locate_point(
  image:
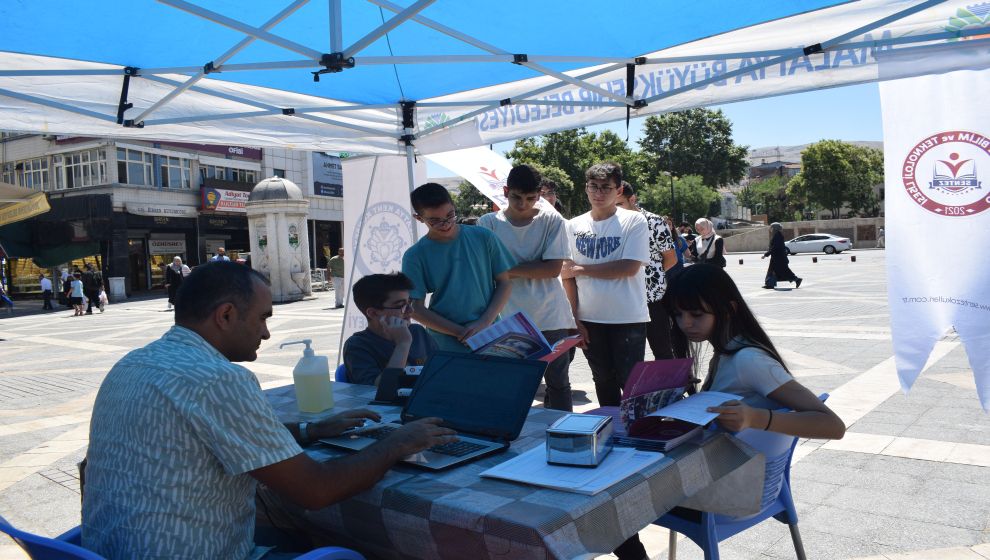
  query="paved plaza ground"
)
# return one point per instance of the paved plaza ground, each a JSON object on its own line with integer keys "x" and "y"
{"x": 910, "y": 480}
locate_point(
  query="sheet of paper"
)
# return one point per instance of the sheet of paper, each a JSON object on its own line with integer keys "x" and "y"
{"x": 531, "y": 468}
{"x": 694, "y": 409}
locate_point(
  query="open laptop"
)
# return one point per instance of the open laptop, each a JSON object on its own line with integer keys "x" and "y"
{"x": 485, "y": 399}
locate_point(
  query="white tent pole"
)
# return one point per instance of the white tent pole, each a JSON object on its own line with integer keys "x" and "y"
{"x": 410, "y": 168}
{"x": 289, "y": 10}
{"x": 57, "y": 105}
{"x": 243, "y": 28}
{"x": 821, "y": 46}
{"x": 384, "y": 28}
{"x": 336, "y": 27}
{"x": 357, "y": 243}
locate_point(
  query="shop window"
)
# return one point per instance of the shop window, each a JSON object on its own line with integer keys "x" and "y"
{"x": 135, "y": 168}
{"x": 175, "y": 172}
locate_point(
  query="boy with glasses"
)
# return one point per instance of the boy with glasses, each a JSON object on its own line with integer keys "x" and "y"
{"x": 465, "y": 268}
{"x": 391, "y": 340}
{"x": 606, "y": 284}
{"x": 537, "y": 238}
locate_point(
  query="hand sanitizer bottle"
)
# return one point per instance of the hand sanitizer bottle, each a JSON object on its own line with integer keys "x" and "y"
{"x": 311, "y": 377}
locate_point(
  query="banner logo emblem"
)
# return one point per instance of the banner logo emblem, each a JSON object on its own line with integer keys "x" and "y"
{"x": 943, "y": 172}
{"x": 385, "y": 232}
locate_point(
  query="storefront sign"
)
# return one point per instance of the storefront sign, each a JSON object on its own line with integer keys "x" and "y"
{"x": 224, "y": 200}
{"x": 161, "y": 210}
{"x": 328, "y": 176}
{"x": 239, "y": 151}
{"x": 23, "y": 209}
{"x": 167, "y": 246}
{"x": 218, "y": 222}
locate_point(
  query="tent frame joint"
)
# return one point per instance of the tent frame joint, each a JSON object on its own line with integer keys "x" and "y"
{"x": 129, "y": 123}
{"x": 639, "y": 104}
{"x": 408, "y": 121}
{"x": 640, "y": 60}
{"x": 123, "y": 105}
{"x": 813, "y": 49}
{"x": 520, "y": 58}
{"x": 504, "y": 102}
{"x": 288, "y": 111}
{"x": 209, "y": 68}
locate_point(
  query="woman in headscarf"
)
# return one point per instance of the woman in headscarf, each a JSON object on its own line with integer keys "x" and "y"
{"x": 709, "y": 247}
{"x": 779, "y": 269}
{"x": 174, "y": 273}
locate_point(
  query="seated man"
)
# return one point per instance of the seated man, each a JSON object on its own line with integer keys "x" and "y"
{"x": 180, "y": 436}
{"x": 390, "y": 341}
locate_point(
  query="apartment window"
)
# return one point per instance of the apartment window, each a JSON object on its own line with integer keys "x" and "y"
{"x": 175, "y": 172}
{"x": 9, "y": 174}
{"x": 134, "y": 167}
{"x": 80, "y": 169}
{"x": 33, "y": 173}
{"x": 279, "y": 173}
{"x": 245, "y": 176}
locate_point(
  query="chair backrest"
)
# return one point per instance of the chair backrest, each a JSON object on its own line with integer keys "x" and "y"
{"x": 778, "y": 449}
{"x": 341, "y": 374}
{"x": 44, "y": 548}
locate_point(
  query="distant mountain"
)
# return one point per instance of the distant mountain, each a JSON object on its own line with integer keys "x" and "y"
{"x": 792, "y": 154}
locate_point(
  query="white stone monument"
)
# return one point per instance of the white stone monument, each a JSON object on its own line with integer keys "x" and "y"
{"x": 277, "y": 212}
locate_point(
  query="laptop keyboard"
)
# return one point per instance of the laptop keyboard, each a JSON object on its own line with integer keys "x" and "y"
{"x": 454, "y": 449}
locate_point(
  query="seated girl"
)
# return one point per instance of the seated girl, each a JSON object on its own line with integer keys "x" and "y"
{"x": 707, "y": 307}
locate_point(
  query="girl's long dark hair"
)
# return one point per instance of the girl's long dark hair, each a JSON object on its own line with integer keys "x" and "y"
{"x": 708, "y": 288}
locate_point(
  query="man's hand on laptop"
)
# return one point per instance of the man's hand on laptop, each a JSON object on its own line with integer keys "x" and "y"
{"x": 419, "y": 435}
{"x": 338, "y": 423}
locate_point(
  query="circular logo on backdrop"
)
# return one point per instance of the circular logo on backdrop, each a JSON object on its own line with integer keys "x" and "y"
{"x": 381, "y": 237}
{"x": 942, "y": 173}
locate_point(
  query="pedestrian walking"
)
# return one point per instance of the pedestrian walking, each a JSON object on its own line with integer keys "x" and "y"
{"x": 881, "y": 239}
{"x": 336, "y": 267}
{"x": 46, "y": 291}
{"x": 779, "y": 269}
{"x": 76, "y": 294}
{"x": 174, "y": 274}
{"x": 220, "y": 256}
{"x": 92, "y": 283}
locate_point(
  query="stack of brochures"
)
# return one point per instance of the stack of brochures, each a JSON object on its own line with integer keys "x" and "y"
{"x": 531, "y": 468}
{"x": 518, "y": 337}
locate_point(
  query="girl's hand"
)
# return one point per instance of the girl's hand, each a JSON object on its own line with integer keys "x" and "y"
{"x": 736, "y": 416}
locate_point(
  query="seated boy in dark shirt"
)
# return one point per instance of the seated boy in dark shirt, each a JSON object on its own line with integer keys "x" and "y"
{"x": 390, "y": 341}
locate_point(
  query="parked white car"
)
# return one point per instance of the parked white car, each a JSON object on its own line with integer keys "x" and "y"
{"x": 814, "y": 242}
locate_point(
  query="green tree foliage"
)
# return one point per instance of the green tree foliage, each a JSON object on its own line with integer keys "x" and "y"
{"x": 693, "y": 142}
{"x": 570, "y": 153}
{"x": 775, "y": 197}
{"x": 470, "y": 202}
{"x": 836, "y": 174}
{"x": 694, "y": 200}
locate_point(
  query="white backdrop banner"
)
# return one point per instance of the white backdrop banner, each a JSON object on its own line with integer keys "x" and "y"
{"x": 378, "y": 224}
{"x": 937, "y": 169}
{"x": 483, "y": 168}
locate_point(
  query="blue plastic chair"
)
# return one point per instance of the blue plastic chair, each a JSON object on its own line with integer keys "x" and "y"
{"x": 708, "y": 529}
{"x": 67, "y": 546}
{"x": 341, "y": 374}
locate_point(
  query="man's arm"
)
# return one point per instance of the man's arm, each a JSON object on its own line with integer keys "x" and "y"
{"x": 503, "y": 287}
{"x": 669, "y": 259}
{"x": 621, "y": 268}
{"x": 433, "y": 320}
{"x": 315, "y": 485}
{"x": 537, "y": 270}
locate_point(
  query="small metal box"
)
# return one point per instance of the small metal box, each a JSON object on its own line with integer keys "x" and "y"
{"x": 579, "y": 440}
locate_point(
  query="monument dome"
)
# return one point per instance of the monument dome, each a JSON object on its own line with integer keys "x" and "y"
{"x": 275, "y": 188}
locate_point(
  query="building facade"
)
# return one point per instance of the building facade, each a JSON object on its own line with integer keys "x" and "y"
{"x": 130, "y": 206}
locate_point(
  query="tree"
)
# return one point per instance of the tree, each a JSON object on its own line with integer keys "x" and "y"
{"x": 572, "y": 152}
{"x": 836, "y": 174}
{"x": 694, "y": 199}
{"x": 470, "y": 202}
{"x": 774, "y": 197}
{"x": 693, "y": 142}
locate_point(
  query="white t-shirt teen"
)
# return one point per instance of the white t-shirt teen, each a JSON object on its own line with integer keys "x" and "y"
{"x": 545, "y": 238}
{"x": 624, "y": 236}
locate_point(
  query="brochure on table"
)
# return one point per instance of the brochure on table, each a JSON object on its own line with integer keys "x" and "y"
{"x": 518, "y": 337}
{"x": 531, "y": 468}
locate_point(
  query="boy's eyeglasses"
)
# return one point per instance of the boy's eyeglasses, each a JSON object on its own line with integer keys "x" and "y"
{"x": 594, "y": 188}
{"x": 398, "y": 307}
{"x": 434, "y": 222}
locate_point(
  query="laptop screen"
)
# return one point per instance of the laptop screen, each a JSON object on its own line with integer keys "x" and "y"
{"x": 479, "y": 395}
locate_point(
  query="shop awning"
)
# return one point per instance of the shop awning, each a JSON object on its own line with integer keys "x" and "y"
{"x": 18, "y": 203}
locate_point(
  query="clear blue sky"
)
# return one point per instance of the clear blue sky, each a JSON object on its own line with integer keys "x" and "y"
{"x": 846, "y": 113}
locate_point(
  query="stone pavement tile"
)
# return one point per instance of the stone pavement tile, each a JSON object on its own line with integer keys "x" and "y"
{"x": 904, "y": 534}
{"x": 947, "y": 432}
{"x": 962, "y": 472}
{"x": 811, "y": 492}
{"x": 824, "y": 546}
{"x": 975, "y": 490}
{"x": 954, "y": 553}
{"x": 899, "y": 465}
{"x": 878, "y": 428}
{"x": 924, "y": 449}
{"x": 810, "y": 470}
{"x": 904, "y": 417}
{"x": 859, "y": 443}
{"x": 982, "y": 550}
{"x": 907, "y": 505}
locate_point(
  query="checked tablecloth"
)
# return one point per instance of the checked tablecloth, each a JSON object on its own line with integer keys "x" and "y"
{"x": 457, "y": 514}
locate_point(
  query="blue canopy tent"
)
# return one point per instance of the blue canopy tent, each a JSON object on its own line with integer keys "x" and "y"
{"x": 375, "y": 77}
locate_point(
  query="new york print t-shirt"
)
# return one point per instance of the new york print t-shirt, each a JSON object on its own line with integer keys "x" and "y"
{"x": 624, "y": 236}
